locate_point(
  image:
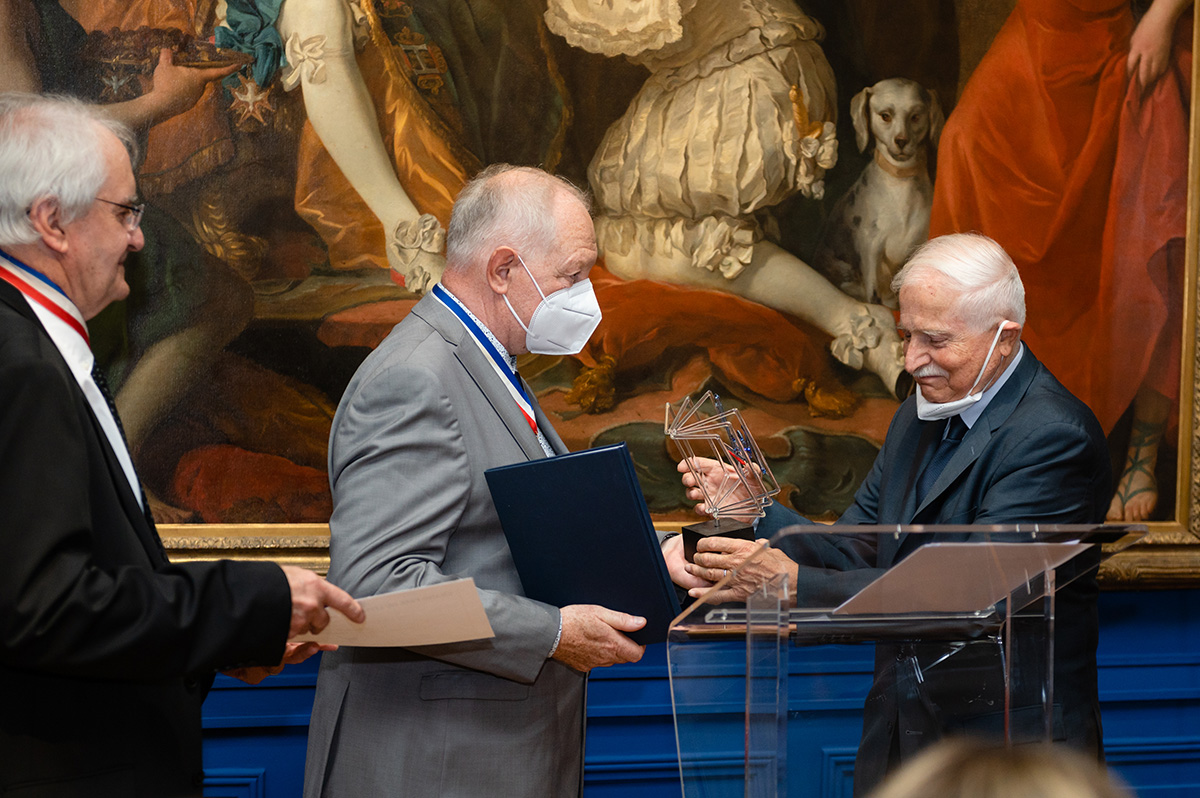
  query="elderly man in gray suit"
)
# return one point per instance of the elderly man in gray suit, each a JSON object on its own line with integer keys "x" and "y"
{"x": 434, "y": 406}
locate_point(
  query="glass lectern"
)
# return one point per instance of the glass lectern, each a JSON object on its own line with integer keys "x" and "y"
{"x": 963, "y": 624}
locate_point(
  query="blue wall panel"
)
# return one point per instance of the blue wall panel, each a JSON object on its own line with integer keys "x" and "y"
{"x": 1149, "y": 687}
{"x": 1150, "y": 690}
{"x": 255, "y": 737}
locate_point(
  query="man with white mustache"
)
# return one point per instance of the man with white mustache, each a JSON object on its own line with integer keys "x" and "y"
{"x": 991, "y": 437}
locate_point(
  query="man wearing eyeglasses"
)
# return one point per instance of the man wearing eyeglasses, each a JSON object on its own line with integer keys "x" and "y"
{"x": 106, "y": 648}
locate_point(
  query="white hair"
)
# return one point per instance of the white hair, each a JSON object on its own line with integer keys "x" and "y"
{"x": 990, "y": 287}
{"x": 51, "y": 147}
{"x": 493, "y": 209}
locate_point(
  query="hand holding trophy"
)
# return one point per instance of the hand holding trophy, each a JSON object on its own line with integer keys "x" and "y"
{"x": 729, "y": 469}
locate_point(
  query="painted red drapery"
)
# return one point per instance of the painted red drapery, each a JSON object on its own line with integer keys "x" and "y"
{"x": 1054, "y": 152}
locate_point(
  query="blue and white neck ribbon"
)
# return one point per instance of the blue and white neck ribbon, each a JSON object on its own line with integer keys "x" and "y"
{"x": 506, "y": 373}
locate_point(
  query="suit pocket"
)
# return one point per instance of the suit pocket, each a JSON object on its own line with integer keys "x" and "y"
{"x": 469, "y": 684}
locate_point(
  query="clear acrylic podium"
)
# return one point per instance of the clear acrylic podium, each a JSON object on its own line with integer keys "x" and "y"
{"x": 963, "y": 622}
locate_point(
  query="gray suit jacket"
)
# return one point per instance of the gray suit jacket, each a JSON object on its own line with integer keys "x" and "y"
{"x": 422, "y": 419}
{"x": 1036, "y": 455}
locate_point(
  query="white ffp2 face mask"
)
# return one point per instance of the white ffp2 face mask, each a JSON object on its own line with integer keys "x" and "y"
{"x": 936, "y": 411}
{"x": 563, "y": 322}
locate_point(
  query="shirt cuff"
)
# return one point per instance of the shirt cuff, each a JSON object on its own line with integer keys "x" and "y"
{"x": 557, "y": 639}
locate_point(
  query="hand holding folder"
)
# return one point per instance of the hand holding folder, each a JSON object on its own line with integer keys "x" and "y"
{"x": 589, "y": 640}
{"x": 580, "y": 533}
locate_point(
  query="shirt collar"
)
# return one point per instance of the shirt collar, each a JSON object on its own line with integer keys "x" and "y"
{"x": 73, "y": 347}
{"x": 492, "y": 339}
{"x": 972, "y": 413}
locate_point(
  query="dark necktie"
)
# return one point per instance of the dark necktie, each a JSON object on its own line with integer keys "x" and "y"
{"x": 955, "y": 429}
{"x": 102, "y": 384}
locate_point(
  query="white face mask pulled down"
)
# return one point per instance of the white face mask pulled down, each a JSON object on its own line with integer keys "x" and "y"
{"x": 936, "y": 411}
{"x": 563, "y": 322}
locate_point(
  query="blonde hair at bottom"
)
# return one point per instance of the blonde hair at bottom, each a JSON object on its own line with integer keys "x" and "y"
{"x": 971, "y": 768}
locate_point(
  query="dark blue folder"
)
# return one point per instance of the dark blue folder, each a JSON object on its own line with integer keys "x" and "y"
{"x": 579, "y": 533}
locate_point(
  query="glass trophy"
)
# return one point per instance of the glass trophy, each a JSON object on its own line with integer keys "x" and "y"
{"x": 704, "y": 428}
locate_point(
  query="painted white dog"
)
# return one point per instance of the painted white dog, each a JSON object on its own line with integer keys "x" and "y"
{"x": 876, "y": 224}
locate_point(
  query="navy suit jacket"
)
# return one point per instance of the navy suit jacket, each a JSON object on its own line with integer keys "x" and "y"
{"x": 106, "y": 649}
{"x": 1036, "y": 454}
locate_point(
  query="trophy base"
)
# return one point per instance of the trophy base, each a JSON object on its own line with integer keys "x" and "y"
{"x": 714, "y": 527}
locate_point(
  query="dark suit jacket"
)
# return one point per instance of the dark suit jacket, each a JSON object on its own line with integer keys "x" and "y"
{"x": 1036, "y": 454}
{"x": 107, "y": 649}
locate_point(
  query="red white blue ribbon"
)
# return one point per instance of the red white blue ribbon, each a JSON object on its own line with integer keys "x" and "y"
{"x": 499, "y": 363}
{"x": 21, "y": 278}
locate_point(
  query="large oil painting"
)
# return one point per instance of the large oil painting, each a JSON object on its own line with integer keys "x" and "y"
{"x": 760, "y": 169}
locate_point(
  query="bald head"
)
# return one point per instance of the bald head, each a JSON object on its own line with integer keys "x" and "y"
{"x": 516, "y": 235}
{"x": 516, "y": 206}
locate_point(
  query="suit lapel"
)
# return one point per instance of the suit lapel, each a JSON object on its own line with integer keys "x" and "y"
{"x": 477, "y": 365}
{"x": 922, "y": 438}
{"x": 967, "y": 452}
{"x": 556, "y": 443}
{"x": 140, "y": 521}
{"x": 928, "y": 435}
{"x": 978, "y": 436}
{"x": 12, "y": 297}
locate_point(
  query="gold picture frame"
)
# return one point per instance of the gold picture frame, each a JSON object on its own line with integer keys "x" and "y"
{"x": 1168, "y": 557}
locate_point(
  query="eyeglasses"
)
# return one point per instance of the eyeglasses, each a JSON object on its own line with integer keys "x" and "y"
{"x": 134, "y": 216}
